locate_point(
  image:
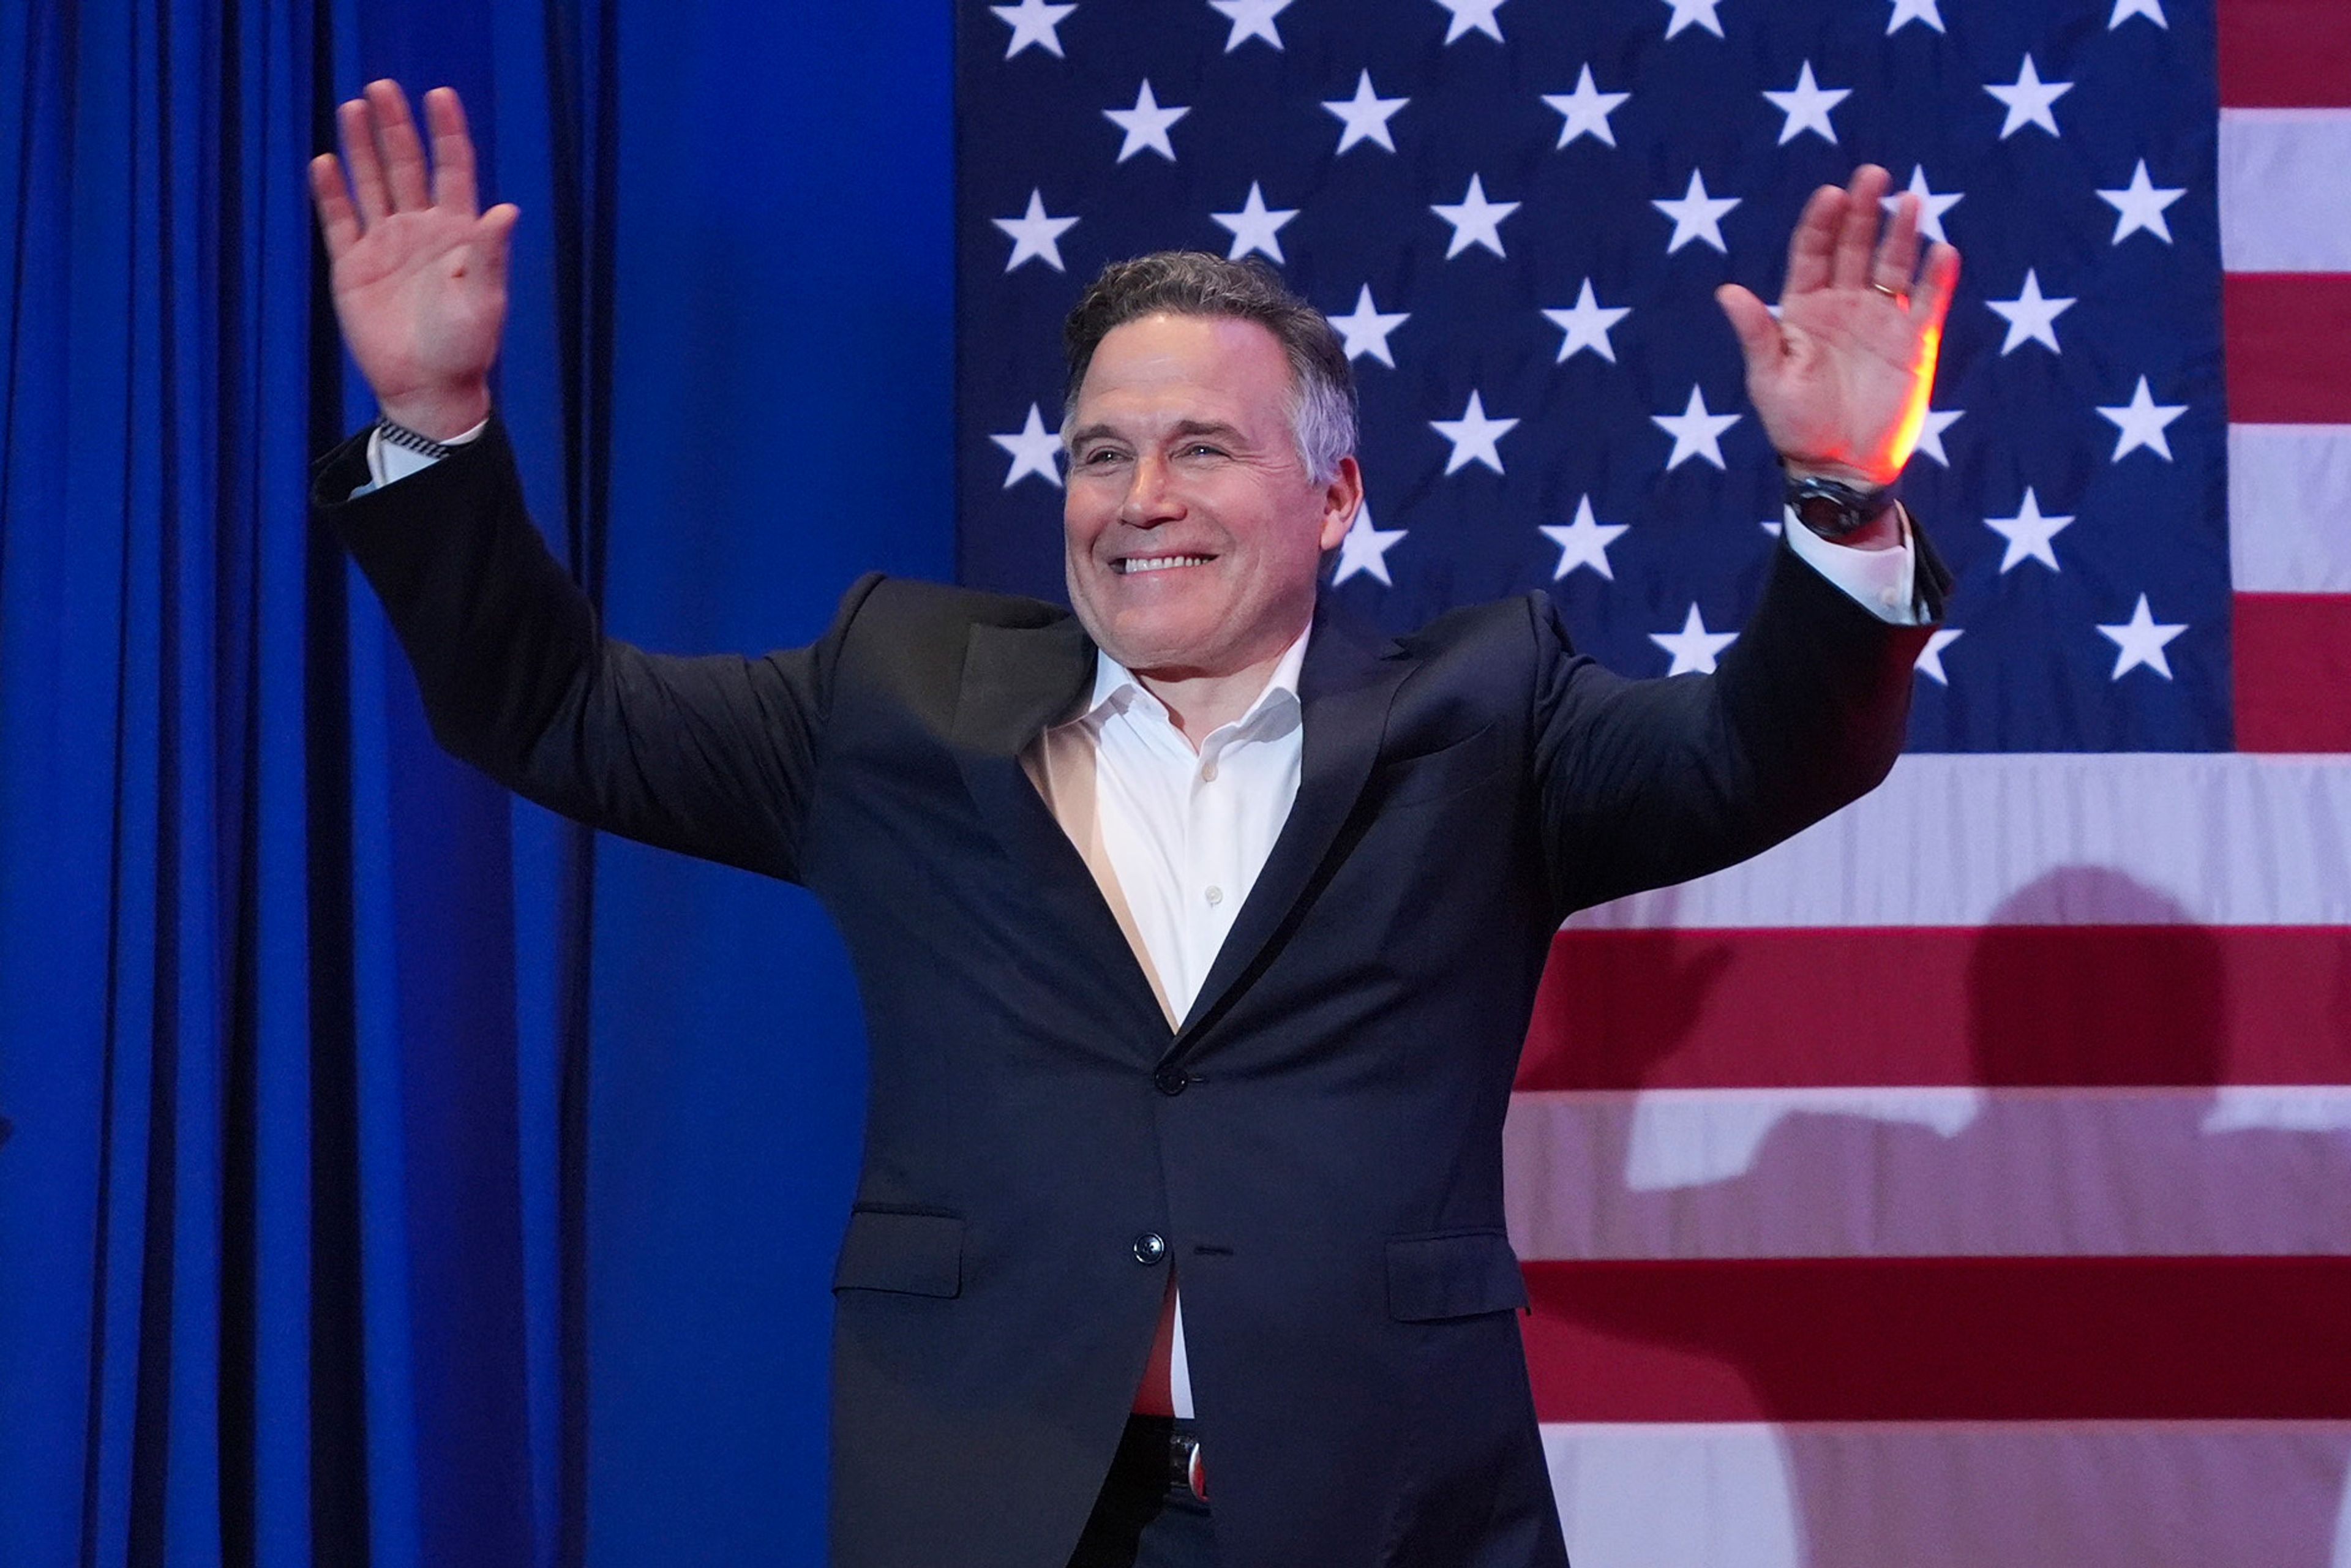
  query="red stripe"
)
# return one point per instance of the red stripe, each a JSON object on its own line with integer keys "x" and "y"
{"x": 2292, "y": 656}
{"x": 2282, "y": 54}
{"x": 2001, "y": 1006}
{"x": 1941, "y": 1339}
{"x": 2286, "y": 332}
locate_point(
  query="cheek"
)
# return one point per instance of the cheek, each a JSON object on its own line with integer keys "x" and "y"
{"x": 1294, "y": 537}
{"x": 1082, "y": 525}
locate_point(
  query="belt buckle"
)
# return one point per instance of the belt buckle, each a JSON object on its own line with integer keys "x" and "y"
{"x": 1184, "y": 1460}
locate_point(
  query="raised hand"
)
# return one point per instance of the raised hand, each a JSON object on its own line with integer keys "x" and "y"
{"x": 1840, "y": 379}
{"x": 419, "y": 273}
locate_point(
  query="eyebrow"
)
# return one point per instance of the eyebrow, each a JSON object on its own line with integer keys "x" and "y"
{"x": 1188, "y": 427}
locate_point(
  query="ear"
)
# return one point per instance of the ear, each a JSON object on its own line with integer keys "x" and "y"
{"x": 1341, "y": 497}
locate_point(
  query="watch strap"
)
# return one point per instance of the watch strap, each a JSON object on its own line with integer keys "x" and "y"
{"x": 415, "y": 441}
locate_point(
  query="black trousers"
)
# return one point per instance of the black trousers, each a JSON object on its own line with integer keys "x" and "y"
{"x": 1145, "y": 1516}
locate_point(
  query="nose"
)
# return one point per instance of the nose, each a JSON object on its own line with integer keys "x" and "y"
{"x": 1151, "y": 498}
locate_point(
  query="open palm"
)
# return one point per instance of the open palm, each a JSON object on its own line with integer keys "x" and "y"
{"x": 419, "y": 273}
{"x": 1840, "y": 379}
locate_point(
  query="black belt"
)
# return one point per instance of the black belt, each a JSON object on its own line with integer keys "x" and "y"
{"x": 1161, "y": 1451}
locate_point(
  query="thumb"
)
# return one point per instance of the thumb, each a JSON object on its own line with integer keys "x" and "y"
{"x": 495, "y": 236}
{"x": 1759, "y": 334}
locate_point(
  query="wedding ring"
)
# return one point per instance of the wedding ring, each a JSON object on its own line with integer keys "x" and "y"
{"x": 1893, "y": 294}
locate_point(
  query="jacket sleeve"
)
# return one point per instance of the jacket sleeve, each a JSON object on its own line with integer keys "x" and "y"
{"x": 715, "y": 756}
{"x": 1644, "y": 783}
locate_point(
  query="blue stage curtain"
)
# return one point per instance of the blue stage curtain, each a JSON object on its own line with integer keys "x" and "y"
{"x": 783, "y": 420}
{"x": 399, "y": 1176}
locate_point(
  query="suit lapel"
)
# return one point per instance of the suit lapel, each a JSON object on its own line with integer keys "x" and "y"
{"x": 1017, "y": 681}
{"x": 1343, "y": 691}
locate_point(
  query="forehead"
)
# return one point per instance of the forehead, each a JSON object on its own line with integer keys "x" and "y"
{"x": 1187, "y": 366}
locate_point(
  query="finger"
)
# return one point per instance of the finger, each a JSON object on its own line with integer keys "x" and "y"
{"x": 453, "y": 153}
{"x": 355, "y": 120}
{"x": 1759, "y": 334}
{"x": 1897, "y": 252}
{"x": 337, "y": 223}
{"x": 1815, "y": 239}
{"x": 1857, "y": 234}
{"x": 1937, "y": 279}
{"x": 403, "y": 151}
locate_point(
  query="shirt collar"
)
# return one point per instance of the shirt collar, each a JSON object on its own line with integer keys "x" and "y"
{"x": 1115, "y": 685}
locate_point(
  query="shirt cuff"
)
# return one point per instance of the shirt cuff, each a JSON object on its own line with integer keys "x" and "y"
{"x": 388, "y": 461}
{"x": 1880, "y": 581}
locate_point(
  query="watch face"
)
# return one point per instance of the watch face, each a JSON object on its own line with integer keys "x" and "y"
{"x": 1833, "y": 510}
{"x": 1825, "y": 515}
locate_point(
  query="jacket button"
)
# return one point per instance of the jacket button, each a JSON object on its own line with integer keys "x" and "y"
{"x": 1150, "y": 1247}
{"x": 1171, "y": 1080}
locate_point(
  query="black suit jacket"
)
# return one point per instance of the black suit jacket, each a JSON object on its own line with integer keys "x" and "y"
{"x": 1316, "y": 1149}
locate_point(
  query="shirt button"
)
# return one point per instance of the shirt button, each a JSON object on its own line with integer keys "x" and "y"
{"x": 1150, "y": 1247}
{"x": 1215, "y": 896}
{"x": 1171, "y": 1080}
{"x": 1208, "y": 773}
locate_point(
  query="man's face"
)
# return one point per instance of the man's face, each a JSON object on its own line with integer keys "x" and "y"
{"x": 1191, "y": 533}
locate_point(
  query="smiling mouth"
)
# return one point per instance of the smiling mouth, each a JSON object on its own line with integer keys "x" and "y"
{"x": 1133, "y": 564}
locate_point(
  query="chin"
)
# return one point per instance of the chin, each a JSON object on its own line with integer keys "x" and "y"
{"x": 1158, "y": 640}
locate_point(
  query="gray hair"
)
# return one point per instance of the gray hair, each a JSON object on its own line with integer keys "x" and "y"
{"x": 1198, "y": 283}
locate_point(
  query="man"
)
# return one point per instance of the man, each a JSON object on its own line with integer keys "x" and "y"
{"x": 1197, "y": 931}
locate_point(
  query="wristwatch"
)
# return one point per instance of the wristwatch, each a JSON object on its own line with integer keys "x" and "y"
{"x": 1832, "y": 510}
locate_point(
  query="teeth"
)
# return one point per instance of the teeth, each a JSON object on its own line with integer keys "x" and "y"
{"x": 1160, "y": 562}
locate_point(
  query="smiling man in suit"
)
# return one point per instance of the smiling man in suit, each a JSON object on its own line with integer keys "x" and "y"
{"x": 1197, "y": 931}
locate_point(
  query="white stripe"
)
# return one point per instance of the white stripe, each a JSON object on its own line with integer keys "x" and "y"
{"x": 1929, "y": 1173}
{"x": 2285, "y": 190}
{"x": 2112, "y": 838}
{"x": 1644, "y": 1495}
{"x": 2116, "y": 1494}
{"x": 2290, "y": 508}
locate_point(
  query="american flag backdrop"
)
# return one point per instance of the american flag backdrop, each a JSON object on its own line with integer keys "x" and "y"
{"x": 1968, "y": 1180}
